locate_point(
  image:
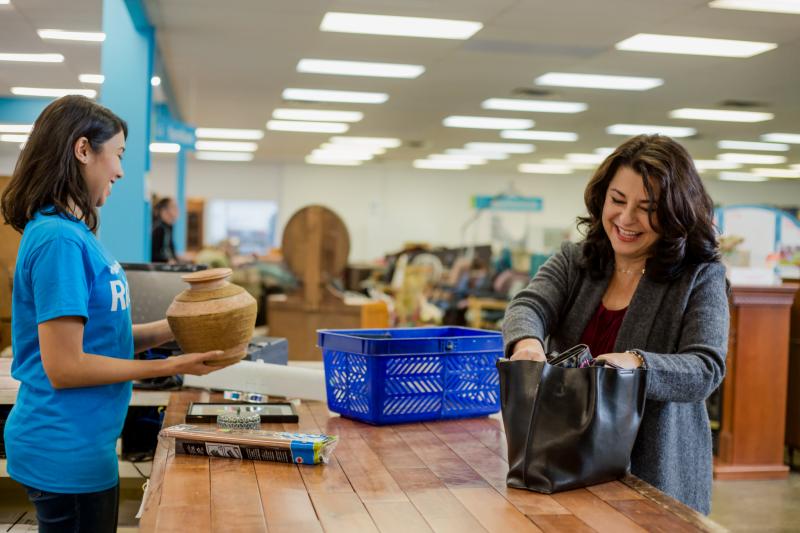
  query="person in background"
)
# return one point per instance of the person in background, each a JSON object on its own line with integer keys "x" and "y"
{"x": 72, "y": 337}
{"x": 165, "y": 213}
{"x": 645, "y": 289}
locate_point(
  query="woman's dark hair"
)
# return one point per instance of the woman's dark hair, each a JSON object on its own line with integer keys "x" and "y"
{"x": 47, "y": 172}
{"x": 161, "y": 205}
{"x": 680, "y": 209}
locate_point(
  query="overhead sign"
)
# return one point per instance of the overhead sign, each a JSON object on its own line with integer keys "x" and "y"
{"x": 169, "y": 130}
{"x": 504, "y": 202}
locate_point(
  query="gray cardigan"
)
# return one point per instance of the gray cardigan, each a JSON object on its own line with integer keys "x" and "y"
{"x": 680, "y": 327}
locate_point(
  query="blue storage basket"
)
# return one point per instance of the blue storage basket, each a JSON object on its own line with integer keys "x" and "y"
{"x": 385, "y": 376}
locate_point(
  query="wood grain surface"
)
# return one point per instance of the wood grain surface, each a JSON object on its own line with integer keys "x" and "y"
{"x": 444, "y": 476}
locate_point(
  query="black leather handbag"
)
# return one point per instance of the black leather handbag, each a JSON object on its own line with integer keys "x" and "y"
{"x": 568, "y": 427}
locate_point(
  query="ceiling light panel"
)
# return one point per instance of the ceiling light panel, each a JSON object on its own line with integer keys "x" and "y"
{"x": 224, "y": 156}
{"x": 229, "y": 133}
{"x": 439, "y": 164}
{"x": 791, "y": 7}
{"x": 753, "y": 159}
{"x": 16, "y": 128}
{"x": 700, "y": 46}
{"x": 63, "y": 35}
{"x": 650, "y": 129}
{"x": 494, "y": 156}
{"x": 749, "y": 145}
{"x": 598, "y": 81}
{"x": 13, "y": 138}
{"x": 537, "y": 135}
{"x": 586, "y": 159}
{"x": 534, "y": 106}
{"x": 740, "y": 176}
{"x": 465, "y": 159}
{"x": 226, "y": 146}
{"x": 307, "y": 127}
{"x": 383, "y": 142}
{"x": 791, "y": 138}
{"x": 359, "y": 68}
{"x": 317, "y": 115}
{"x": 489, "y": 123}
{"x": 96, "y": 79}
{"x": 312, "y": 160}
{"x": 165, "y": 148}
{"x": 508, "y": 148}
{"x": 776, "y": 172}
{"x": 353, "y": 149}
{"x": 320, "y": 95}
{"x": 52, "y": 93}
{"x": 540, "y": 168}
{"x": 720, "y": 115}
{"x": 399, "y": 26}
{"x": 715, "y": 164}
{"x": 32, "y": 58}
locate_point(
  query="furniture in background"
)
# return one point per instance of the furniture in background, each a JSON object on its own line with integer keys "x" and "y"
{"x": 752, "y": 431}
{"x": 793, "y": 393}
{"x": 9, "y": 243}
{"x": 194, "y": 224}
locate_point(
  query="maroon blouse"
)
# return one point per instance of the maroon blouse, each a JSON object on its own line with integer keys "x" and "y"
{"x": 601, "y": 331}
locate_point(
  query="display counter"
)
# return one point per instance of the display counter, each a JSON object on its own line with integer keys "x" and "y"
{"x": 440, "y": 476}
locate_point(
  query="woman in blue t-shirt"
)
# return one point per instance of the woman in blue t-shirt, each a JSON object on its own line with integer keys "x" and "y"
{"x": 72, "y": 337}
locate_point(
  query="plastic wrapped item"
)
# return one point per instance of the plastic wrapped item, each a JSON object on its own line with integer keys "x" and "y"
{"x": 257, "y": 445}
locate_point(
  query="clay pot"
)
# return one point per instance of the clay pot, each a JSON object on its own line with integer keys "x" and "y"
{"x": 213, "y": 314}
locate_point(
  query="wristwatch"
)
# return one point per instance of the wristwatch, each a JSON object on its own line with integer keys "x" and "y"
{"x": 638, "y": 355}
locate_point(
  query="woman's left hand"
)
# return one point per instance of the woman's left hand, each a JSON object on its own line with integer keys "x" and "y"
{"x": 622, "y": 360}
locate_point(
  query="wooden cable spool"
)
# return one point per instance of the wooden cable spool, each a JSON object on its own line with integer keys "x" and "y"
{"x": 315, "y": 247}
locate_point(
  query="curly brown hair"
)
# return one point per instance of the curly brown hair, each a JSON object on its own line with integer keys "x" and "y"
{"x": 680, "y": 209}
{"x": 47, "y": 174}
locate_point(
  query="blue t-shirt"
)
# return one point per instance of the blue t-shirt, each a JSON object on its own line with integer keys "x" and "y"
{"x": 65, "y": 440}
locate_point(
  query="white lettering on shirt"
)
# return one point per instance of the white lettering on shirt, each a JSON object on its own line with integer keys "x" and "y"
{"x": 119, "y": 295}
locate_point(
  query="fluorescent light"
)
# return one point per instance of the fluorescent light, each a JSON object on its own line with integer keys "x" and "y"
{"x": 753, "y": 159}
{"x": 155, "y": 81}
{"x": 332, "y": 154}
{"x": 439, "y": 164}
{"x": 586, "y": 159}
{"x": 317, "y": 115}
{"x": 16, "y": 128}
{"x": 597, "y": 81}
{"x": 715, "y": 164}
{"x": 54, "y": 93}
{"x": 224, "y": 156}
{"x": 720, "y": 115}
{"x": 353, "y": 149}
{"x": 791, "y": 7}
{"x": 360, "y": 68}
{"x": 62, "y": 35}
{"x": 776, "y": 172}
{"x": 509, "y": 148}
{"x": 13, "y": 138}
{"x": 4, "y": 2}
{"x": 489, "y": 123}
{"x": 699, "y": 46}
{"x": 748, "y": 145}
{"x": 383, "y": 142}
{"x": 740, "y": 176}
{"x": 400, "y": 26}
{"x": 791, "y": 138}
{"x": 539, "y": 168}
{"x": 648, "y": 129}
{"x": 165, "y": 148}
{"x": 605, "y": 150}
{"x": 91, "y": 78}
{"x": 538, "y": 135}
{"x": 319, "y": 95}
{"x": 228, "y": 133}
{"x": 311, "y": 160}
{"x": 307, "y": 127}
{"x": 571, "y": 164}
{"x": 465, "y": 159}
{"x": 796, "y": 167}
{"x": 226, "y": 146}
{"x": 495, "y": 156}
{"x": 540, "y": 106}
{"x": 33, "y": 58}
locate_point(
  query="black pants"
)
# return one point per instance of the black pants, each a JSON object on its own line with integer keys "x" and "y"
{"x": 93, "y": 512}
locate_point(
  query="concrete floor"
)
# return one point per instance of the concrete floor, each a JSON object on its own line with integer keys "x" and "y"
{"x": 762, "y": 506}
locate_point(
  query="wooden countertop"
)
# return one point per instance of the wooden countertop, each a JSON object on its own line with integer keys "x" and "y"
{"x": 440, "y": 476}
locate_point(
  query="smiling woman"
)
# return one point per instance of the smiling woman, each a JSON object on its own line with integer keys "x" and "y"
{"x": 644, "y": 290}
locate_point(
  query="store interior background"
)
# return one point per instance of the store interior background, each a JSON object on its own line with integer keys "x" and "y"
{"x": 226, "y": 65}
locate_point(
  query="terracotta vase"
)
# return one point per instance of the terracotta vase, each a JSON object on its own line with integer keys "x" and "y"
{"x": 213, "y": 314}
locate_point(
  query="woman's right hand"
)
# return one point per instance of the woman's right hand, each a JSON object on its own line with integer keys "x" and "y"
{"x": 193, "y": 363}
{"x": 530, "y": 349}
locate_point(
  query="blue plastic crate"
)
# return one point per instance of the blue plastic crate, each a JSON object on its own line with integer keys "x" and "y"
{"x": 385, "y": 376}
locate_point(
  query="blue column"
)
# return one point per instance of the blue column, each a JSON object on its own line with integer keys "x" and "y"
{"x": 180, "y": 198}
{"x": 127, "y": 64}
{"x": 20, "y": 109}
